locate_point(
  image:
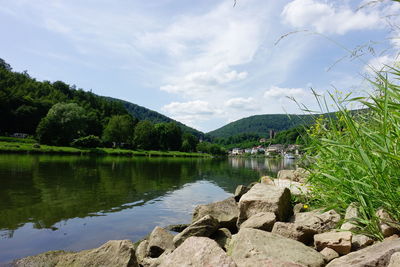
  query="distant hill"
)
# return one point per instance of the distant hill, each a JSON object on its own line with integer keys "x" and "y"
{"x": 142, "y": 113}
{"x": 260, "y": 125}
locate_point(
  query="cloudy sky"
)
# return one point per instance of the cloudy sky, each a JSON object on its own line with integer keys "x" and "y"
{"x": 204, "y": 63}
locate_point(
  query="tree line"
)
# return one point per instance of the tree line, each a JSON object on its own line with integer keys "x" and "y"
{"x": 60, "y": 114}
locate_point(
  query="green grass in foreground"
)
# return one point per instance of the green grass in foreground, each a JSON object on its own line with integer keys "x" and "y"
{"x": 356, "y": 157}
{"x": 24, "y": 147}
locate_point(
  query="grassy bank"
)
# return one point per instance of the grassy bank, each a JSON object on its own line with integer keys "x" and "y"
{"x": 356, "y": 156}
{"x": 13, "y": 145}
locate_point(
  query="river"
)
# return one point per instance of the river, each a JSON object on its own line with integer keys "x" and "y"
{"x": 72, "y": 203}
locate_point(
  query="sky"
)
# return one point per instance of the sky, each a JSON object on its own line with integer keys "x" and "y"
{"x": 204, "y": 63}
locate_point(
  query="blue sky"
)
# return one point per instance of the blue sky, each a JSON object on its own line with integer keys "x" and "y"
{"x": 204, "y": 63}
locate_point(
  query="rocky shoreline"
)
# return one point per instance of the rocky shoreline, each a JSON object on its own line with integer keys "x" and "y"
{"x": 258, "y": 226}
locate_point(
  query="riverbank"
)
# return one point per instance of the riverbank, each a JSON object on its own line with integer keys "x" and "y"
{"x": 261, "y": 225}
{"x": 29, "y": 147}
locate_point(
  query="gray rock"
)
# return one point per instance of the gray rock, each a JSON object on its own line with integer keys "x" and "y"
{"x": 258, "y": 244}
{"x": 159, "y": 241}
{"x": 394, "y": 260}
{"x": 112, "y": 253}
{"x": 268, "y": 262}
{"x": 222, "y": 236}
{"x": 360, "y": 241}
{"x": 329, "y": 254}
{"x": 387, "y": 225}
{"x": 240, "y": 191}
{"x": 350, "y": 218}
{"x": 287, "y": 174}
{"x": 298, "y": 175}
{"x": 176, "y": 227}
{"x": 263, "y": 221}
{"x": 299, "y": 207}
{"x": 289, "y": 230}
{"x": 376, "y": 255}
{"x": 205, "y": 226}
{"x": 198, "y": 251}
{"x": 338, "y": 241}
{"x": 265, "y": 198}
{"x": 141, "y": 251}
{"x": 315, "y": 222}
{"x": 226, "y": 212}
{"x": 295, "y": 188}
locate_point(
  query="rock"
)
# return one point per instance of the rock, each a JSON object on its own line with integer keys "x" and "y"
{"x": 226, "y": 212}
{"x": 159, "y": 241}
{"x": 299, "y": 207}
{"x": 350, "y": 217}
{"x": 392, "y": 237}
{"x": 205, "y": 226}
{"x": 329, "y": 254}
{"x": 112, "y": 253}
{"x": 298, "y": 175}
{"x": 295, "y": 188}
{"x": 289, "y": 230}
{"x": 222, "y": 236}
{"x": 268, "y": 262}
{"x": 305, "y": 225}
{"x": 141, "y": 251}
{"x": 240, "y": 191}
{"x": 263, "y": 221}
{"x": 198, "y": 251}
{"x": 360, "y": 241}
{"x": 376, "y": 255}
{"x": 315, "y": 222}
{"x": 176, "y": 227}
{"x": 387, "y": 225}
{"x": 257, "y": 244}
{"x": 394, "y": 260}
{"x": 338, "y": 241}
{"x": 265, "y": 198}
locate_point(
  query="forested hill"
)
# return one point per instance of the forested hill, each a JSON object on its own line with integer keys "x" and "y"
{"x": 24, "y": 101}
{"x": 142, "y": 113}
{"x": 260, "y": 125}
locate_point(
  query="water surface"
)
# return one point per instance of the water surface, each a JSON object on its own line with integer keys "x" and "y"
{"x": 80, "y": 202}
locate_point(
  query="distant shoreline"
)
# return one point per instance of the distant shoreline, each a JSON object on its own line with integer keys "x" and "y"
{"x": 29, "y": 148}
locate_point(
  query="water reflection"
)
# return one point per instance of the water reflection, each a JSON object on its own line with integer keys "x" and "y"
{"x": 74, "y": 203}
{"x": 265, "y": 166}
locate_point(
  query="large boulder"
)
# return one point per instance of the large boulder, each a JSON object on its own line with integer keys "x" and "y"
{"x": 205, "y": 226}
{"x": 225, "y": 211}
{"x": 298, "y": 175}
{"x": 240, "y": 191}
{"x": 112, "y": 253}
{"x": 258, "y": 244}
{"x": 263, "y": 221}
{"x": 198, "y": 251}
{"x": 265, "y": 198}
{"x": 338, "y": 241}
{"x": 295, "y": 188}
{"x": 222, "y": 236}
{"x": 141, "y": 251}
{"x": 160, "y": 240}
{"x": 304, "y": 225}
{"x": 315, "y": 222}
{"x": 394, "y": 260}
{"x": 375, "y": 255}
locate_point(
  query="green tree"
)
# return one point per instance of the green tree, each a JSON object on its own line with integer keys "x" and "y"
{"x": 189, "y": 142}
{"x": 169, "y": 136}
{"x": 63, "y": 123}
{"x": 120, "y": 129}
{"x": 145, "y": 136}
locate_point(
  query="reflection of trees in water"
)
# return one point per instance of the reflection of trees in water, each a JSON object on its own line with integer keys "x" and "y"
{"x": 48, "y": 189}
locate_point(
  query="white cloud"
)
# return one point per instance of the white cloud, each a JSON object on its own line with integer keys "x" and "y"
{"x": 242, "y": 103}
{"x": 279, "y": 92}
{"x": 196, "y": 83}
{"x": 325, "y": 17}
{"x": 381, "y": 63}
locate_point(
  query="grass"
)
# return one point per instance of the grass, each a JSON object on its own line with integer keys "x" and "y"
{"x": 27, "y": 147}
{"x": 356, "y": 156}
